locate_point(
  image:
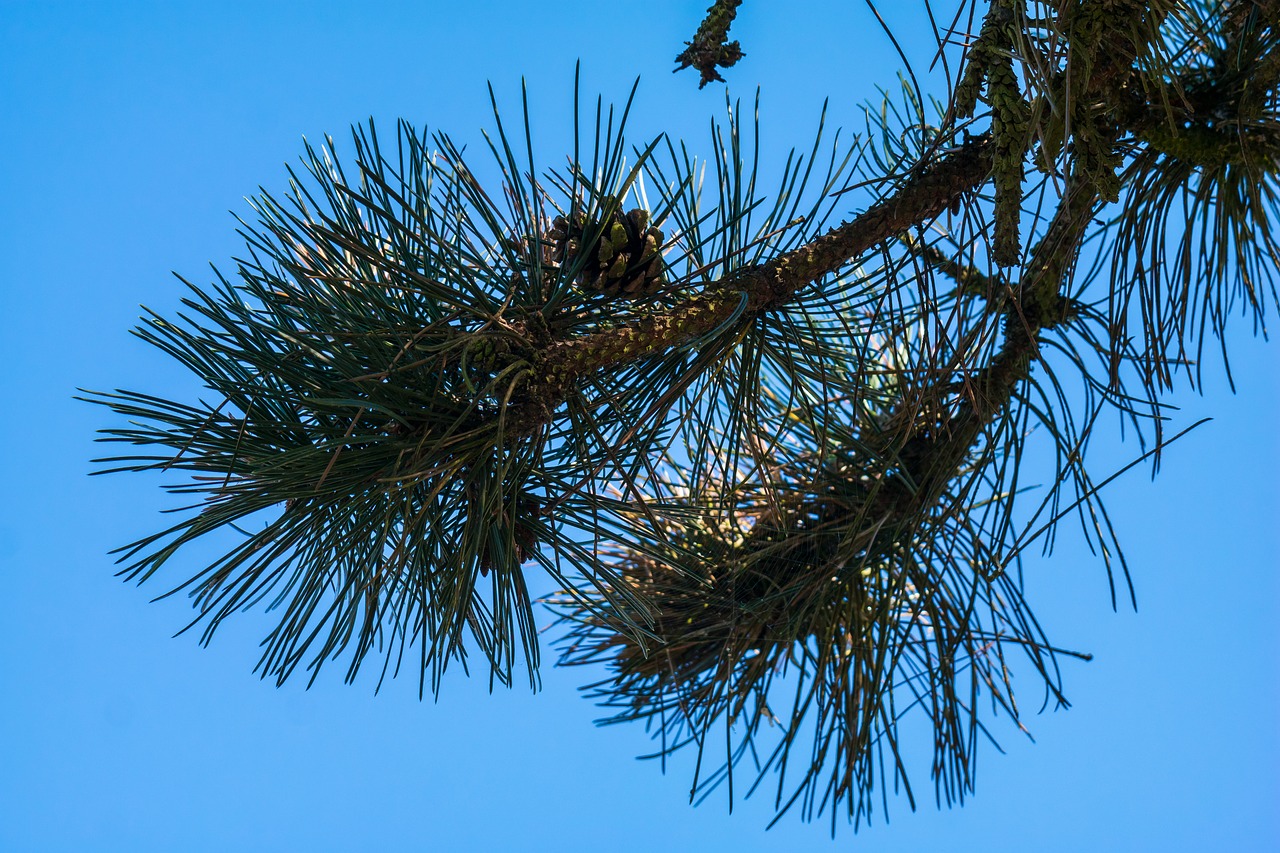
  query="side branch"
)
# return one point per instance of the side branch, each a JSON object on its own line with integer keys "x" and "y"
{"x": 929, "y": 463}
{"x": 1037, "y": 302}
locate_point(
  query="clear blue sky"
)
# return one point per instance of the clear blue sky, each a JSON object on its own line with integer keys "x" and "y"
{"x": 130, "y": 129}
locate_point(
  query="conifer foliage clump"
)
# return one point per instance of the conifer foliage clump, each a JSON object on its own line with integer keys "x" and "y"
{"x": 770, "y": 431}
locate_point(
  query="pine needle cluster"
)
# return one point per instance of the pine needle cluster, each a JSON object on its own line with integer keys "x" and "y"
{"x": 778, "y": 465}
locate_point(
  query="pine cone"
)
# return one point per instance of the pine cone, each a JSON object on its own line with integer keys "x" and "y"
{"x": 520, "y": 514}
{"x": 622, "y": 257}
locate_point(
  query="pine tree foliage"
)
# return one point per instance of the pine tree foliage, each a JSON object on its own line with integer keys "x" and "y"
{"x": 774, "y": 460}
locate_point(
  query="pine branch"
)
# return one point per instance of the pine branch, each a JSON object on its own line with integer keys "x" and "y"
{"x": 785, "y": 468}
{"x": 933, "y": 189}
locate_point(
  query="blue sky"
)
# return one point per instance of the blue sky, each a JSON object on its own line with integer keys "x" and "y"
{"x": 130, "y": 129}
